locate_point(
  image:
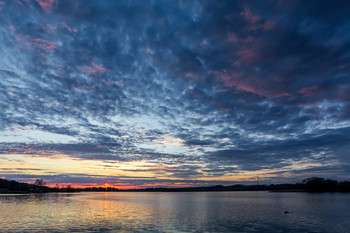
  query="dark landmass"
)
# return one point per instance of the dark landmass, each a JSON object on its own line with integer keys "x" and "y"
{"x": 11, "y": 186}
{"x": 313, "y": 184}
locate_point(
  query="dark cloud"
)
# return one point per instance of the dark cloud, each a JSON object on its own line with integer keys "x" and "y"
{"x": 224, "y": 86}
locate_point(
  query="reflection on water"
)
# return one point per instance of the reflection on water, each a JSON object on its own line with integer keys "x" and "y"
{"x": 176, "y": 212}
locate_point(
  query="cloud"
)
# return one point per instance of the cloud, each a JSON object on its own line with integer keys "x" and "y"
{"x": 46, "y": 5}
{"x": 208, "y": 88}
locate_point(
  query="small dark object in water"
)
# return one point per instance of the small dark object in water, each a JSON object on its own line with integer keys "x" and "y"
{"x": 286, "y": 212}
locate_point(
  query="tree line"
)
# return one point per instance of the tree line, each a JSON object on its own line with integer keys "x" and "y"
{"x": 312, "y": 184}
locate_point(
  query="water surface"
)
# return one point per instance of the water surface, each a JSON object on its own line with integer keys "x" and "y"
{"x": 176, "y": 212}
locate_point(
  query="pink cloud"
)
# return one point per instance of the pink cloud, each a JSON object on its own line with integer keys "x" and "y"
{"x": 249, "y": 16}
{"x": 46, "y": 5}
{"x": 44, "y": 44}
{"x": 256, "y": 22}
{"x": 108, "y": 83}
{"x": 234, "y": 80}
{"x": 309, "y": 91}
{"x": 94, "y": 69}
{"x": 266, "y": 26}
{"x": 312, "y": 105}
{"x": 251, "y": 84}
{"x": 221, "y": 90}
{"x": 247, "y": 56}
{"x": 249, "y": 88}
{"x": 248, "y": 39}
{"x": 2, "y": 4}
{"x": 232, "y": 37}
{"x": 230, "y": 80}
{"x": 117, "y": 84}
{"x": 281, "y": 94}
{"x": 269, "y": 25}
{"x": 69, "y": 28}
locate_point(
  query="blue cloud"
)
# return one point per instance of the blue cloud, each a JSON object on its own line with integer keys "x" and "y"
{"x": 252, "y": 85}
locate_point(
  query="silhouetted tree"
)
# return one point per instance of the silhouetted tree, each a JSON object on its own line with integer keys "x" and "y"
{"x": 344, "y": 186}
{"x": 330, "y": 185}
{"x": 318, "y": 184}
{"x": 39, "y": 182}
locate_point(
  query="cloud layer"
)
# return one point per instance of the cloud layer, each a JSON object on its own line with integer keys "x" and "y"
{"x": 208, "y": 91}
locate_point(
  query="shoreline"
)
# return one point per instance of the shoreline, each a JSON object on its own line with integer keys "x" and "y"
{"x": 171, "y": 191}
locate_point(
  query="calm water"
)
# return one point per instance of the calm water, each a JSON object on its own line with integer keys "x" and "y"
{"x": 175, "y": 212}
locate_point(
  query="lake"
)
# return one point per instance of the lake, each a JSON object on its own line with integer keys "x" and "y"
{"x": 176, "y": 212}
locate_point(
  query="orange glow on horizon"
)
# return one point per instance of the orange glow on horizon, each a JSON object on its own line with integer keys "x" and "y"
{"x": 123, "y": 175}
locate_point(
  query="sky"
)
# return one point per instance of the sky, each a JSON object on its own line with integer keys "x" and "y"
{"x": 174, "y": 93}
